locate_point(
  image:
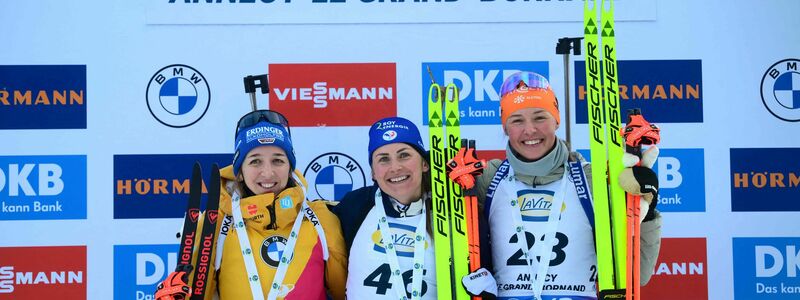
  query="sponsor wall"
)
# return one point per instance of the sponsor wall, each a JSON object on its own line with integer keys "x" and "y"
{"x": 105, "y": 106}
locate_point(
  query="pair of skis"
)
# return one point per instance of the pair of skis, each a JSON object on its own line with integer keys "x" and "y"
{"x": 179, "y": 287}
{"x": 617, "y": 231}
{"x": 455, "y": 222}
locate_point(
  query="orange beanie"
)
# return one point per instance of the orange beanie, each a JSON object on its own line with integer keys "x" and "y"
{"x": 527, "y": 90}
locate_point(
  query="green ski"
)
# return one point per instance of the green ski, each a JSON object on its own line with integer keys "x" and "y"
{"x": 449, "y": 223}
{"x": 606, "y": 149}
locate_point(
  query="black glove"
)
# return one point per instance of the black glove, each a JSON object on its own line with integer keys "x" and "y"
{"x": 641, "y": 180}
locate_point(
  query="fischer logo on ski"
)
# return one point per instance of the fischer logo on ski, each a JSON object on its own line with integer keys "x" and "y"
{"x": 450, "y": 226}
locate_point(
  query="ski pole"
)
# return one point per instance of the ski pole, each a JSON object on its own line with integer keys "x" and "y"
{"x": 563, "y": 47}
{"x": 251, "y": 82}
{"x": 636, "y": 133}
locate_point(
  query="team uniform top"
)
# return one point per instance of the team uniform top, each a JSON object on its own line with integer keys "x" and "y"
{"x": 369, "y": 271}
{"x": 309, "y": 276}
{"x": 572, "y": 259}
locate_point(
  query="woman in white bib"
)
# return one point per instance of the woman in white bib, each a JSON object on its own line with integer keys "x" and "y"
{"x": 532, "y": 201}
{"x": 386, "y": 225}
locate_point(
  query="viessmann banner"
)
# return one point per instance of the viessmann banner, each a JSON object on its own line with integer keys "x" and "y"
{"x": 382, "y": 11}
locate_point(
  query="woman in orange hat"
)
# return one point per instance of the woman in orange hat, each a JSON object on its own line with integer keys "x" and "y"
{"x": 532, "y": 203}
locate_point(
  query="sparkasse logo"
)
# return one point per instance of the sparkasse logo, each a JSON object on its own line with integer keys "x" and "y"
{"x": 42, "y": 272}
{"x": 341, "y": 94}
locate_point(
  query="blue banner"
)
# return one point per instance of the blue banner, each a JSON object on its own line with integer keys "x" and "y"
{"x": 766, "y": 268}
{"x": 765, "y": 179}
{"x": 667, "y": 91}
{"x": 157, "y": 186}
{"x": 479, "y": 86}
{"x": 43, "y": 97}
{"x": 43, "y": 187}
{"x": 138, "y": 269}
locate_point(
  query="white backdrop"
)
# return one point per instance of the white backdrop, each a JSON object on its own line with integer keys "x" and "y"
{"x": 736, "y": 42}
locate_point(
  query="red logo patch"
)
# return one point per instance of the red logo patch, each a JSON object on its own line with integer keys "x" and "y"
{"x": 681, "y": 271}
{"x": 356, "y": 94}
{"x": 212, "y": 216}
{"x": 252, "y": 209}
{"x": 43, "y": 272}
{"x": 194, "y": 214}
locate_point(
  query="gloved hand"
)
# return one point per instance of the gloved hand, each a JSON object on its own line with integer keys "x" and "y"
{"x": 480, "y": 283}
{"x": 465, "y": 165}
{"x": 638, "y": 178}
{"x": 176, "y": 286}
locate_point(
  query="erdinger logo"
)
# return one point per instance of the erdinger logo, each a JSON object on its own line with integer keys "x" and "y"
{"x": 389, "y": 135}
{"x": 534, "y": 205}
{"x": 780, "y": 90}
{"x": 178, "y": 96}
{"x": 402, "y": 236}
{"x": 332, "y": 175}
{"x": 272, "y": 250}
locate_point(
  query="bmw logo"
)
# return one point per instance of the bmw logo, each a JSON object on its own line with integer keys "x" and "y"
{"x": 332, "y": 175}
{"x": 780, "y": 90}
{"x": 178, "y": 96}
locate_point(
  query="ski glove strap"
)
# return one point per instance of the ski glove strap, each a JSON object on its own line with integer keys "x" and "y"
{"x": 480, "y": 283}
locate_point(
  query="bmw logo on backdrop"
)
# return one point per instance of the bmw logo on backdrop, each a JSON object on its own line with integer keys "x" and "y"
{"x": 780, "y": 90}
{"x": 178, "y": 96}
{"x": 332, "y": 175}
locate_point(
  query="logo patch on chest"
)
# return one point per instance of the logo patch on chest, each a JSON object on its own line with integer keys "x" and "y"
{"x": 534, "y": 205}
{"x": 272, "y": 250}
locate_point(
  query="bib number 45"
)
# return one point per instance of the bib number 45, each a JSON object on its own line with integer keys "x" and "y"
{"x": 380, "y": 279}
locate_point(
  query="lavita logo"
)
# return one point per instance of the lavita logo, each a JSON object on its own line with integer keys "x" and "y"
{"x": 478, "y": 84}
{"x": 766, "y": 268}
{"x": 138, "y": 269}
{"x": 42, "y": 187}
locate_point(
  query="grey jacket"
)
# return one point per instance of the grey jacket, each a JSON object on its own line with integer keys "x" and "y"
{"x": 551, "y": 164}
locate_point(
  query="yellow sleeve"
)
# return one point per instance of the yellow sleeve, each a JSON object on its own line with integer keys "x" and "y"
{"x": 336, "y": 267}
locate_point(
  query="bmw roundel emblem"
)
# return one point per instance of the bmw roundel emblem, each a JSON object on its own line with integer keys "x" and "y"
{"x": 178, "y": 96}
